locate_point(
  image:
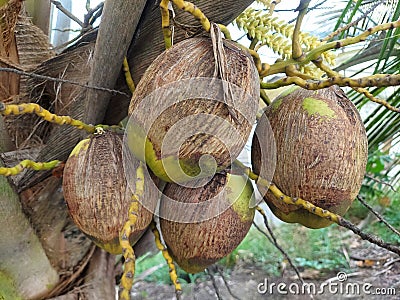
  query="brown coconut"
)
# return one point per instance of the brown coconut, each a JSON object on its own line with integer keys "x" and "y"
{"x": 197, "y": 245}
{"x": 189, "y": 59}
{"x": 321, "y": 147}
{"x": 98, "y": 195}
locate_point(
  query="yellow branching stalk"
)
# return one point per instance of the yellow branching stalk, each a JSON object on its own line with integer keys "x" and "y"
{"x": 186, "y": 6}
{"x": 323, "y": 213}
{"x": 127, "y": 250}
{"x": 29, "y": 164}
{"x": 33, "y": 108}
{"x": 331, "y": 73}
{"x": 276, "y": 33}
{"x": 172, "y": 270}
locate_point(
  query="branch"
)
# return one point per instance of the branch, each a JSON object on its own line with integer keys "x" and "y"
{"x": 382, "y": 182}
{"x": 37, "y": 166}
{"x": 297, "y": 52}
{"x": 380, "y": 218}
{"x": 221, "y": 273}
{"x": 214, "y": 283}
{"x": 377, "y": 80}
{"x": 170, "y": 262}
{"x": 331, "y": 73}
{"x": 67, "y": 12}
{"x": 275, "y": 242}
{"x": 314, "y": 54}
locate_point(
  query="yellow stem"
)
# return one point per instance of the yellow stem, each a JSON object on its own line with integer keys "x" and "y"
{"x": 172, "y": 270}
{"x": 323, "y": 213}
{"x": 165, "y": 24}
{"x": 25, "y": 164}
{"x": 225, "y": 31}
{"x": 128, "y": 76}
{"x": 33, "y": 108}
{"x": 127, "y": 250}
{"x": 331, "y": 73}
{"x": 297, "y": 52}
{"x": 188, "y": 7}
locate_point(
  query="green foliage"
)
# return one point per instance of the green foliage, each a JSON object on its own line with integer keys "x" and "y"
{"x": 319, "y": 249}
{"x": 391, "y": 215}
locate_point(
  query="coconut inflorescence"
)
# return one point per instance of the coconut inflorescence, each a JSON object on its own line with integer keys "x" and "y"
{"x": 97, "y": 193}
{"x": 321, "y": 152}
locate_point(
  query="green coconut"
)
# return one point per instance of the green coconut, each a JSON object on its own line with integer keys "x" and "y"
{"x": 193, "y": 59}
{"x": 321, "y": 152}
{"x": 97, "y": 192}
{"x": 198, "y": 244}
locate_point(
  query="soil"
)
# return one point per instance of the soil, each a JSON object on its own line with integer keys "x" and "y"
{"x": 375, "y": 274}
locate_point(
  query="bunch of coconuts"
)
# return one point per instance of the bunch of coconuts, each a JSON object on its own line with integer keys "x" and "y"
{"x": 205, "y": 209}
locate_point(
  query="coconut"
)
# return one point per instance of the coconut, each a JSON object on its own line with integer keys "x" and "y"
{"x": 97, "y": 193}
{"x": 182, "y": 85}
{"x": 196, "y": 245}
{"x": 321, "y": 147}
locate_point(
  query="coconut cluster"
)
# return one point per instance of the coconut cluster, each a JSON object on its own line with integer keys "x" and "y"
{"x": 318, "y": 137}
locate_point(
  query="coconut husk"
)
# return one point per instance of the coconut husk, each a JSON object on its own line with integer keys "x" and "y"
{"x": 98, "y": 195}
{"x": 321, "y": 151}
{"x": 195, "y": 245}
{"x": 189, "y": 60}
{"x": 33, "y": 48}
{"x": 9, "y": 82}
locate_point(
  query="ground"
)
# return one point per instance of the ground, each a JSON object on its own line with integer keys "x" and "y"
{"x": 373, "y": 271}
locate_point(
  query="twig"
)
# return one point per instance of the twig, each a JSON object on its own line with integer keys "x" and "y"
{"x": 363, "y": 16}
{"x": 221, "y": 273}
{"x": 214, "y": 283}
{"x": 379, "y": 216}
{"x": 382, "y": 182}
{"x": 92, "y": 15}
{"x": 60, "y": 80}
{"x": 66, "y": 12}
{"x": 275, "y": 242}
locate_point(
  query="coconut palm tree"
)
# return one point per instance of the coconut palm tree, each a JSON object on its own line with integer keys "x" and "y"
{"x": 42, "y": 253}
